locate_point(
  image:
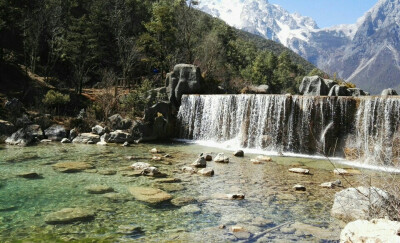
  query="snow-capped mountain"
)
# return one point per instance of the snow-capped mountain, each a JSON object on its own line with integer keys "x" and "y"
{"x": 356, "y": 52}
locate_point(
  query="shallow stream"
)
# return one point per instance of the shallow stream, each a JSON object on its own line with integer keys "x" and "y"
{"x": 270, "y": 199}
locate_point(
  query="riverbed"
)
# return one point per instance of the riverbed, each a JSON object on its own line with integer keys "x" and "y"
{"x": 271, "y": 210}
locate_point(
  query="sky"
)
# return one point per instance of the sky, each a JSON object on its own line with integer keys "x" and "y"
{"x": 328, "y": 13}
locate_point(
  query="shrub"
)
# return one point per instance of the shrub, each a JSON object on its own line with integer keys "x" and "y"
{"x": 54, "y": 100}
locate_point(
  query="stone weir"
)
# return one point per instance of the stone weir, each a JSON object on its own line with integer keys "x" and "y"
{"x": 358, "y": 128}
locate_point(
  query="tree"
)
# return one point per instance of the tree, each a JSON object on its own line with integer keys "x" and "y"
{"x": 263, "y": 69}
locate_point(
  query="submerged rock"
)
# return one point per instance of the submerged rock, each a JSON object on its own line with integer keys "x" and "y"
{"x": 70, "y": 167}
{"x": 190, "y": 209}
{"x": 221, "y": 158}
{"x": 69, "y": 215}
{"x": 149, "y": 195}
{"x": 98, "y": 189}
{"x": 129, "y": 230}
{"x": 376, "y": 230}
{"x": 182, "y": 201}
{"x": 30, "y": 175}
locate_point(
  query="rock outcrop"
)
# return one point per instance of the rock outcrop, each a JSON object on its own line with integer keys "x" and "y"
{"x": 315, "y": 86}
{"x": 184, "y": 79}
{"x": 389, "y": 92}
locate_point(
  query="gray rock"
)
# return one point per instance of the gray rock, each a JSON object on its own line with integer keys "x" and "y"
{"x": 6, "y": 129}
{"x": 299, "y": 188}
{"x": 65, "y": 140}
{"x": 23, "y": 121}
{"x": 126, "y": 144}
{"x": 99, "y": 130}
{"x": 69, "y": 215}
{"x": 56, "y": 133}
{"x": 149, "y": 195}
{"x": 87, "y": 138}
{"x": 73, "y": 134}
{"x": 26, "y": 136}
{"x": 200, "y": 163}
{"x": 188, "y": 169}
{"x": 388, "y": 92}
{"x": 363, "y": 203}
{"x": 339, "y": 90}
{"x": 332, "y": 184}
{"x": 182, "y": 201}
{"x": 206, "y": 172}
{"x": 315, "y": 86}
{"x": 140, "y": 166}
{"x": 300, "y": 171}
{"x": 184, "y": 79}
{"x": 221, "y": 158}
{"x": 118, "y": 136}
{"x": 116, "y": 122}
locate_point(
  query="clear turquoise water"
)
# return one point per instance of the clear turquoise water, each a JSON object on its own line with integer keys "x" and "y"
{"x": 268, "y": 188}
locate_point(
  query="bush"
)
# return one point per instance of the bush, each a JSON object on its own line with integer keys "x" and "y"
{"x": 136, "y": 101}
{"x": 54, "y": 100}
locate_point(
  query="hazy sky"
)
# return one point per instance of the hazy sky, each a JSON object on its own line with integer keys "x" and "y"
{"x": 328, "y": 12}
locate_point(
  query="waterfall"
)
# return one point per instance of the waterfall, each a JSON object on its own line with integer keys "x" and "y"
{"x": 363, "y": 128}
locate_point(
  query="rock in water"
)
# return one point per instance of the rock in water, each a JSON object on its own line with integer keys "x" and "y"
{"x": 99, "y": 130}
{"x": 88, "y": 138}
{"x": 188, "y": 169}
{"x": 149, "y": 195}
{"x": 221, "y": 158}
{"x": 299, "y": 188}
{"x": 65, "y": 140}
{"x": 69, "y": 215}
{"x": 30, "y": 175}
{"x": 388, "y": 92}
{"x": 200, "y": 163}
{"x": 56, "y": 133}
{"x": 98, "y": 189}
{"x": 239, "y": 153}
{"x": 140, "y": 165}
{"x": 182, "y": 201}
{"x": 300, "y": 171}
{"x": 206, "y": 172}
{"x": 70, "y": 167}
{"x": 263, "y": 158}
{"x": 376, "y": 230}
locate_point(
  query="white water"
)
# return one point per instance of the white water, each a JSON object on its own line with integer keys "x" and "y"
{"x": 296, "y": 125}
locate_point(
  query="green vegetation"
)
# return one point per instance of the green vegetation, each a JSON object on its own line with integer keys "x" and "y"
{"x": 73, "y": 43}
{"x": 54, "y": 100}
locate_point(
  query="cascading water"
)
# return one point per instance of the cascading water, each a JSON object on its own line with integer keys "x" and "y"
{"x": 359, "y": 128}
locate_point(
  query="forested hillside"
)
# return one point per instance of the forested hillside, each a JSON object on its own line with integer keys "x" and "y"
{"x": 80, "y": 43}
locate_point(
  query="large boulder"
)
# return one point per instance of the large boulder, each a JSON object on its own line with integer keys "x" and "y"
{"x": 184, "y": 79}
{"x": 158, "y": 123}
{"x": 376, "y": 230}
{"x": 6, "y": 129}
{"x": 339, "y": 90}
{"x": 363, "y": 203}
{"x": 56, "y": 132}
{"x": 26, "y": 136}
{"x": 388, "y": 92}
{"x": 88, "y": 138}
{"x": 116, "y": 122}
{"x": 118, "y": 136}
{"x": 315, "y": 86}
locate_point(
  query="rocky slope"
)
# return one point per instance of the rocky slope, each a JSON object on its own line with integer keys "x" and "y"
{"x": 365, "y": 53}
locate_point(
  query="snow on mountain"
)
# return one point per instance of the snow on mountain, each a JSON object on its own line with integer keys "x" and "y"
{"x": 365, "y": 53}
